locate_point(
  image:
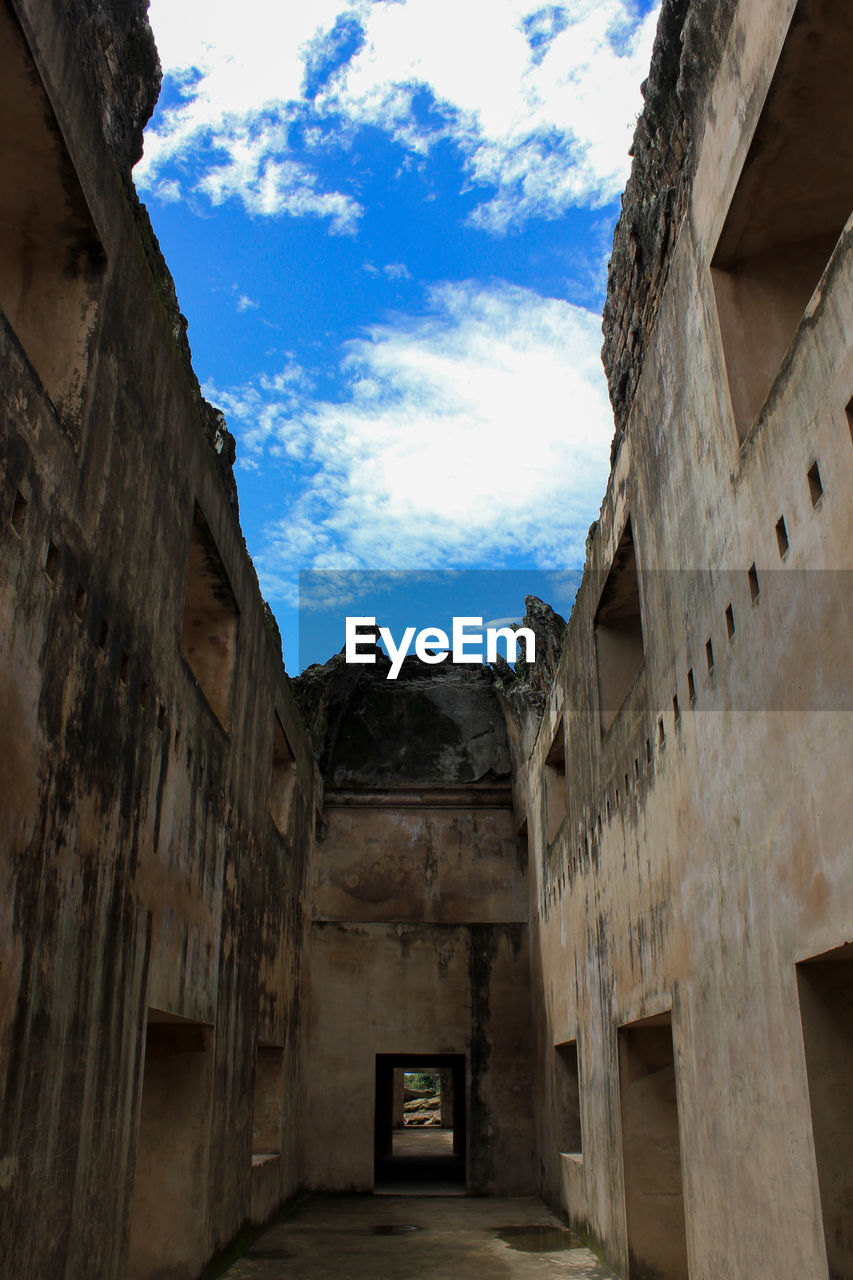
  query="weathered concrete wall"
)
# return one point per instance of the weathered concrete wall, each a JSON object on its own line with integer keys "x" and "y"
{"x": 419, "y": 904}
{"x": 678, "y": 964}
{"x": 140, "y": 867}
{"x": 428, "y": 989}
{"x": 705, "y": 848}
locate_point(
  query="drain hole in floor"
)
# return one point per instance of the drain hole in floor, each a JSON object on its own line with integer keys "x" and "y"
{"x": 392, "y": 1229}
{"x": 539, "y": 1239}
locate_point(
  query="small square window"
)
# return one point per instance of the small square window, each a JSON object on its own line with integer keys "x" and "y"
{"x": 19, "y": 513}
{"x": 815, "y": 484}
{"x": 782, "y": 537}
{"x": 752, "y": 577}
{"x": 51, "y": 561}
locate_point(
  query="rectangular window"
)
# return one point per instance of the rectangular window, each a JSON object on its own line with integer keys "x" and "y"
{"x": 782, "y": 537}
{"x": 754, "y": 589}
{"x": 19, "y": 514}
{"x": 211, "y": 617}
{"x": 618, "y": 631}
{"x": 791, "y": 203}
{"x": 51, "y": 259}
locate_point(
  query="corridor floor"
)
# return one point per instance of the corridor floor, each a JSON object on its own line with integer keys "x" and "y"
{"x": 360, "y": 1237}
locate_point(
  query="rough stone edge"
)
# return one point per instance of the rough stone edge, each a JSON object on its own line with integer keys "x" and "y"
{"x": 688, "y": 48}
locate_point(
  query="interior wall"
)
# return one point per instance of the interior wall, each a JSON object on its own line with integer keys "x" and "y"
{"x": 418, "y": 989}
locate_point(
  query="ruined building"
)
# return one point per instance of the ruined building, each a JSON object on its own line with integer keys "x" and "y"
{"x": 613, "y": 899}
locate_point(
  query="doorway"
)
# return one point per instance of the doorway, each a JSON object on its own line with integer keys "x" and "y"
{"x": 654, "y": 1197}
{"x": 170, "y": 1183}
{"x": 420, "y": 1124}
{"x": 826, "y": 1008}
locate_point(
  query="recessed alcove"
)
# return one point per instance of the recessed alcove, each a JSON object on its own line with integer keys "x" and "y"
{"x": 210, "y": 621}
{"x": 51, "y": 257}
{"x": 283, "y": 777}
{"x": 826, "y": 1008}
{"x": 618, "y": 631}
{"x": 654, "y": 1194}
{"x": 791, "y": 203}
{"x": 567, "y": 1098}
{"x": 172, "y": 1148}
{"x": 554, "y": 783}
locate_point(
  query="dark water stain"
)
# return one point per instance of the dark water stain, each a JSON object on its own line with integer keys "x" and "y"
{"x": 539, "y": 1239}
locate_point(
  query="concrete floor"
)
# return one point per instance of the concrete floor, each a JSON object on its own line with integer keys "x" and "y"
{"x": 426, "y": 1142}
{"x": 354, "y": 1237}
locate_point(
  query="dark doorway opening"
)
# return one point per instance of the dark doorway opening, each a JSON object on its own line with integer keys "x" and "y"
{"x": 425, "y": 1156}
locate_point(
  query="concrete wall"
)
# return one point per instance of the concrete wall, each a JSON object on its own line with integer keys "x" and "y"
{"x": 142, "y": 875}
{"x": 705, "y": 850}
{"x": 675, "y": 966}
{"x": 419, "y": 905}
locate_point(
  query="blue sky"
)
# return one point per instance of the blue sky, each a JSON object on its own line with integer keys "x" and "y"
{"x": 388, "y": 223}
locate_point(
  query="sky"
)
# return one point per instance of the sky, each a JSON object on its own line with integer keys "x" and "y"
{"x": 389, "y": 223}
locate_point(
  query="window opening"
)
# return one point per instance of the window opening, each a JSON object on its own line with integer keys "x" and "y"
{"x": 283, "y": 777}
{"x": 618, "y": 631}
{"x": 19, "y": 514}
{"x": 752, "y": 577}
{"x": 210, "y": 622}
{"x": 782, "y": 537}
{"x": 791, "y": 203}
{"x": 556, "y": 798}
{"x": 51, "y": 258}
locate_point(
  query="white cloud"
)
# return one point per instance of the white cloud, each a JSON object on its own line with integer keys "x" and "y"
{"x": 547, "y": 125}
{"x": 269, "y": 187}
{"x": 540, "y": 99}
{"x": 473, "y": 434}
